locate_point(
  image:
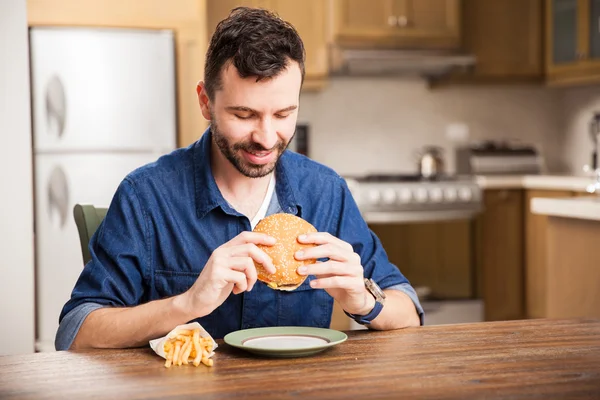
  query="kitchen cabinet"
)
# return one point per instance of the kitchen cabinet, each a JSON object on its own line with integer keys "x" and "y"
{"x": 499, "y": 254}
{"x": 188, "y": 20}
{"x": 506, "y": 37}
{"x": 572, "y": 42}
{"x": 397, "y": 23}
{"x": 571, "y": 273}
{"x": 595, "y": 29}
{"x": 308, "y": 17}
{"x": 564, "y": 31}
{"x": 536, "y": 250}
{"x": 217, "y": 10}
{"x": 572, "y": 269}
{"x": 436, "y": 255}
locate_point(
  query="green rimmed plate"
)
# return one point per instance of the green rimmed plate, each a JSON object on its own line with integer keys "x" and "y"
{"x": 285, "y": 341}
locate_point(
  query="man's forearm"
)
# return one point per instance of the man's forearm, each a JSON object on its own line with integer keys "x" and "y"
{"x": 111, "y": 327}
{"x": 398, "y": 312}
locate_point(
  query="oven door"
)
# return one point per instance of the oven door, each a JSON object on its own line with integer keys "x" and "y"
{"x": 435, "y": 256}
{"x": 435, "y": 250}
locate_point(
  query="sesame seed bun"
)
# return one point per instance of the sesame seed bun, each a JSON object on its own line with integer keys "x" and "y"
{"x": 285, "y": 228}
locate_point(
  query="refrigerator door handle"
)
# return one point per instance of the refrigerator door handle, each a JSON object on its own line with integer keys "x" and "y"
{"x": 56, "y": 106}
{"x": 58, "y": 196}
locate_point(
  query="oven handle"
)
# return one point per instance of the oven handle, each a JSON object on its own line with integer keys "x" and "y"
{"x": 418, "y": 216}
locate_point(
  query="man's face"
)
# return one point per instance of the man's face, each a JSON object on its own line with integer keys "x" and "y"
{"x": 252, "y": 123}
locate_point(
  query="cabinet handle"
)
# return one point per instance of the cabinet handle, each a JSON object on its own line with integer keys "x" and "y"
{"x": 402, "y": 21}
{"x": 392, "y": 20}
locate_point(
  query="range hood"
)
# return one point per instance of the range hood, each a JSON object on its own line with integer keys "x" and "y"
{"x": 429, "y": 64}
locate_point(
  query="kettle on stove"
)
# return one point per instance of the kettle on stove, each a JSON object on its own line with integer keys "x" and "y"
{"x": 430, "y": 163}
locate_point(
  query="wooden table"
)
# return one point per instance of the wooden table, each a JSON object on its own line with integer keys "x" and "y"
{"x": 518, "y": 359}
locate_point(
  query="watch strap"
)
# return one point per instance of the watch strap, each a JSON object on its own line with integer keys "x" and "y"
{"x": 366, "y": 319}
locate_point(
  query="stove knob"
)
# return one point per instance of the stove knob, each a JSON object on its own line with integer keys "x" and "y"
{"x": 389, "y": 196}
{"x": 436, "y": 194}
{"x": 404, "y": 196}
{"x": 373, "y": 196}
{"x": 465, "y": 194}
{"x": 421, "y": 195}
{"x": 450, "y": 194}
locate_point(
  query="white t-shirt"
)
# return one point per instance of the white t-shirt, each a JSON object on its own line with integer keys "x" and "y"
{"x": 262, "y": 211}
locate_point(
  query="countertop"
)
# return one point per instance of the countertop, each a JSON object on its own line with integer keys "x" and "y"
{"x": 569, "y": 207}
{"x": 547, "y": 182}
{"x": 546, "y": 359}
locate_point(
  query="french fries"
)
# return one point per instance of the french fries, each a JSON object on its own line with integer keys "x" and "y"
{"x": 188, "y": 347}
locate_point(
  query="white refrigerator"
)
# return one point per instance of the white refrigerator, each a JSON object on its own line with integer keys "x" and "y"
{"x": 103, "y": 104}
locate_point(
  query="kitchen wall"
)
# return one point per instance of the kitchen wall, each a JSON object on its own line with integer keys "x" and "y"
{"x": 578, "y": 106}
{"x": 16, "y": 204}
{"x": 361, "y": 125}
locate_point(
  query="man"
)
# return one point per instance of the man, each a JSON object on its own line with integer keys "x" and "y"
{"x": 176, "y": 244}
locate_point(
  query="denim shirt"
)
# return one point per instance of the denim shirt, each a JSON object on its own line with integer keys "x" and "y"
{"x": 166, "y": 218}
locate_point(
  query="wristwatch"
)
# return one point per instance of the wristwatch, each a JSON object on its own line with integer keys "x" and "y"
{"x": 376, "y": 291}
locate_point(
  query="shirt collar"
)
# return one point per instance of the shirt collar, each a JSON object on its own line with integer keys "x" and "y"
{"x": 286, "y": 185}
{"x": 208, "y": 195}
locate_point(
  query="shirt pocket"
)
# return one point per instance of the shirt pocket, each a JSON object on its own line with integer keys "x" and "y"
{"x": 171, "y": 283}
{"x": 306, "y": 306}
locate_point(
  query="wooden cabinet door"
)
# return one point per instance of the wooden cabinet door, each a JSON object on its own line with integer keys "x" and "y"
{"x": 565, "y": 31}
{"x": 433, "y": 17}
{"x": 562, "y": 273}
{"x": 455, "y": 275}
{"x": 536, "y": 227}
{"x": 309, "y": 19}
{"x": 218, "y": 10}
{"x": 437, "y": 255}
{"x": 573, "y": 276}
{"x": 359, "y": 18}
{"x": 595, "y": 29}
{"x": 499, "y": 256}
{"x": 572, "y": 42}
{"x": 506, "y": 37}
{"x": 397, "y": 23}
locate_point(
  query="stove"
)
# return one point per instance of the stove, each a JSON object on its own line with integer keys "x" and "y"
{"x": 402, "y": 178}
{"x": 385, "y": 198}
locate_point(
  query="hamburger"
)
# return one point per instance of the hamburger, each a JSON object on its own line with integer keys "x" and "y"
{"x": 285, "y": 228}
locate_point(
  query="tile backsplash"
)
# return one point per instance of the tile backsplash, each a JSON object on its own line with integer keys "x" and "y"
{"x": 368, "y": 125}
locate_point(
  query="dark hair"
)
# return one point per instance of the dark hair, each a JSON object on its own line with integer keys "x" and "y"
{"x": 256, "y": 41}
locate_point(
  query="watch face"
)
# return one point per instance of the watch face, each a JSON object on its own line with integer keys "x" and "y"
{"x": 375, "y": 289}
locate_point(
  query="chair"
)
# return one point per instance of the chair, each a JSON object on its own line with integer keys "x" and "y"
{"x": 87, "y": 219}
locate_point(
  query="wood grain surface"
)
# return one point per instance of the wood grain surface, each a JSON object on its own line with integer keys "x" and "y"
{"x": 543, "y": 359}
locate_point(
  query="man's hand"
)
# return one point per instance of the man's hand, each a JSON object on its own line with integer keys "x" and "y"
{"x": 341, "y": 276}
{"x": 229, "y": 269}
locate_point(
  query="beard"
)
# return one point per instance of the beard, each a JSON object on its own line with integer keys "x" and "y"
{"x": 232, "y": 153}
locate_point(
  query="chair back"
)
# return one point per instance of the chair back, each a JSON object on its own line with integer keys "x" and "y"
{"x": 87, "y": 219}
